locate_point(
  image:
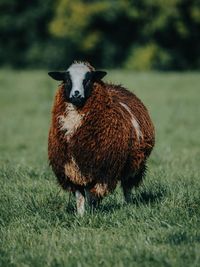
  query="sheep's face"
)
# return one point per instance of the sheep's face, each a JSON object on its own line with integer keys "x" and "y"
{"x": 78, "y": 81}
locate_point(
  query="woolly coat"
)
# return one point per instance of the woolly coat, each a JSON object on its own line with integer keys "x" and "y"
{"x": 110, "y": 141}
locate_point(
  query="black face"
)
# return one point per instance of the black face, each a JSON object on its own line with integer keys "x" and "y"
{"x": 88, "y": 84}
{"x": 78, "y": 88}
{"x": 67, "y": 85}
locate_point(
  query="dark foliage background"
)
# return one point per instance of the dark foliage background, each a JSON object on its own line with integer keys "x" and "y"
{"x": 140, "y": 34}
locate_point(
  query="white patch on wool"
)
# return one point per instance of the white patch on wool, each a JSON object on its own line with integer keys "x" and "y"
{"x": 101, "y": 189}
{"x": 71, "y": 121}
{"x": 134, "y": 122}
{"x": 77, "y": 72}
{"x": 73, "y": 171}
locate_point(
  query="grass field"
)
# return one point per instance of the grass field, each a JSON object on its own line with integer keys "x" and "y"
{"x": 38, "y": 227}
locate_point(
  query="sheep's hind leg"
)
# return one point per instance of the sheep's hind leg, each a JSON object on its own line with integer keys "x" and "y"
{"x": 80, "y": 203}
{"x": 132, "y": 181}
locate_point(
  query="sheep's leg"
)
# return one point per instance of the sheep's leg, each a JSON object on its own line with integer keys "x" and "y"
{"x": 132, "y": 181}
{"x": 127, "y": 194}
{"x": 92, "y": 200}
{"x": 80, "y": 203}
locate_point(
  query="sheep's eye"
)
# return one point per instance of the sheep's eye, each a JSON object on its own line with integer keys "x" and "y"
{"x": 67, "y": 81}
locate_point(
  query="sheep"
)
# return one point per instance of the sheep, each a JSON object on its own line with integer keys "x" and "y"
{"x": 100, "y": 134}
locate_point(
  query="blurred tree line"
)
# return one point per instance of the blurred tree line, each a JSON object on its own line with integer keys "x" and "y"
{"x": 135, "y": 34}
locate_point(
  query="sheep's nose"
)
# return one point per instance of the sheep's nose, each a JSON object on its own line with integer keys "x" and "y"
{"x": 76, "y": 93}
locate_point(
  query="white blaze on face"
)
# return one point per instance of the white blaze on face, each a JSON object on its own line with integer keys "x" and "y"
{"x": 77, "y": 73}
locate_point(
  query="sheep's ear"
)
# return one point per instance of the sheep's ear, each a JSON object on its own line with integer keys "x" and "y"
{"x": 98, "y": 75}
{"x": 58, "y": 75}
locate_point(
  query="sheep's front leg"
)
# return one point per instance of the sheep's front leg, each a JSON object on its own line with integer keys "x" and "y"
{"x": 92, "y": 200}
{"x": 80, "y": 203}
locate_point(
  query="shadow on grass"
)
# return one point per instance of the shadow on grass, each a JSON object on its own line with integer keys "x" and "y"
{"x": 138, "y": 199}
{"x": 58, "y": 206}
{"x": 147, "y": 197}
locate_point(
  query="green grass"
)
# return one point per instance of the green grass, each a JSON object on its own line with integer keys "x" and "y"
{"x": 38, "y": 227}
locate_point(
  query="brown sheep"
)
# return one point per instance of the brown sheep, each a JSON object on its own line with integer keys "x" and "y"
{"x": 100, "y": 134}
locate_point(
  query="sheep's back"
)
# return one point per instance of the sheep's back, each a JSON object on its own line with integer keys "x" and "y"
{"x": 137, "y": 110}
{"x": 143, "y": 134}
